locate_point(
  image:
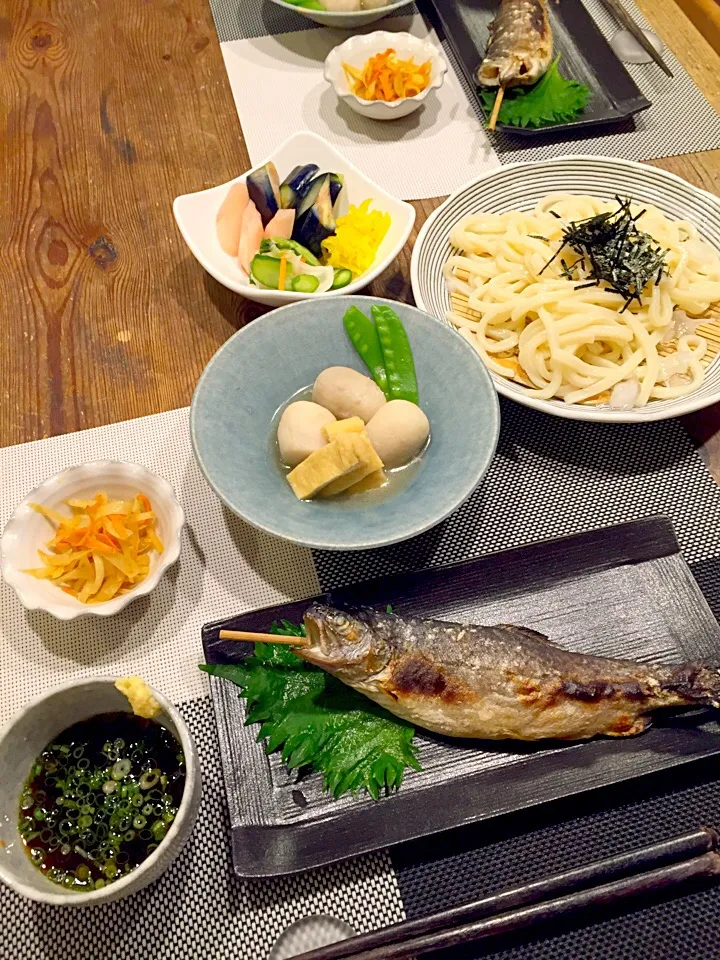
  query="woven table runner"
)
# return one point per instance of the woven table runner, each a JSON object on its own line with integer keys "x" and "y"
{"x": 550, "y": 477}
{"x": 263, "y": 45}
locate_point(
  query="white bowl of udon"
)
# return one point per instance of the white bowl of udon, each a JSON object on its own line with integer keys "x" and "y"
{"x": 494, "y": 262}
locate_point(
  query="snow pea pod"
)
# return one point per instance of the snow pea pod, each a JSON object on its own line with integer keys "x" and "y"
{"x": 364, "y": 337}
{"x": 397, "y": 354}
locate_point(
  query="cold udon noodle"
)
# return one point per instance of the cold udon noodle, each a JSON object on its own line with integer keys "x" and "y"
{"x": 561, "y": 338}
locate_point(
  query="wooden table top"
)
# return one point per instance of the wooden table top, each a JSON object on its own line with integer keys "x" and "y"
{"x": 108, "y": 112}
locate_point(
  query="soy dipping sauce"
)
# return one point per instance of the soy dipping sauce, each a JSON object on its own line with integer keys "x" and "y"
{"x": 100, "y": 798}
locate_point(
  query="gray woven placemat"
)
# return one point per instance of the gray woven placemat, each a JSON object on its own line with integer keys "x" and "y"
{"x": 553, "y": 477}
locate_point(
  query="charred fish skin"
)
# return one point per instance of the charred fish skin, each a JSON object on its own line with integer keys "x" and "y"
{"x": 496, "y": 683}
{"x": 520, "y": 47}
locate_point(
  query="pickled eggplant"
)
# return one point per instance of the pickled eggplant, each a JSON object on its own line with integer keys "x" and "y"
{"x": 336, "y": 185}
{"x": 315, "y": 221}
{"x": 264, "y": 188}
{"x": 295, "y": 185}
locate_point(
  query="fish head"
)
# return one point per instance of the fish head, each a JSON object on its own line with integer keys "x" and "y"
{"x": 344, "y": 643}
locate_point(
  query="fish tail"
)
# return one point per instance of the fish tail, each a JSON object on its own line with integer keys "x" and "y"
{"x": 694, "y": 684}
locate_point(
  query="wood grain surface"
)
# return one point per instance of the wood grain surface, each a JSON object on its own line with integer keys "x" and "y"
{"x": 107, "y": 112}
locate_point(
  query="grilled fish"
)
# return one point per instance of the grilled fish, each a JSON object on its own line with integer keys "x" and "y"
{"x": 520, "y": 47}
{"x": 496, "y": 683}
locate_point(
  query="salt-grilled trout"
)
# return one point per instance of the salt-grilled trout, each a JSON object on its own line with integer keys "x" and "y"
{"x": 497, "y": 683}
{"x": 520, "y": 47}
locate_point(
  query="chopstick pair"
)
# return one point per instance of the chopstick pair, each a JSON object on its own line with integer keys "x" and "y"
{"x": 616, "y": 7}
{"x": 658, "y": 867}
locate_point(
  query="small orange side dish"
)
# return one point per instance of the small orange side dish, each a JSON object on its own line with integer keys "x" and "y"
{"x": 384, "y": 77}
{"x": 102, "y": 549}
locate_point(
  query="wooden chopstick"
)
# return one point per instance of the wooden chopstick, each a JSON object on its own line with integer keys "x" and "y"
{"x": 655, "y": 867}
{"x": 277, "y": 638}
{"x": 627, "y": 21}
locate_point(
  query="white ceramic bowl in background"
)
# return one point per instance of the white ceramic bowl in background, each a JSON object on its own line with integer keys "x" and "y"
{"x": 519, "y": 186}
{"x": 357, "y": 51}
{"x": 344, "y": 21}
{"x": 23, "y": 741}
{"x": 195, "y": 214}
{"x": 27, "y": 530}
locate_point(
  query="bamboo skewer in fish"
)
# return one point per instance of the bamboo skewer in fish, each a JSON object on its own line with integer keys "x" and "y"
{"x": 496, "y": 108}
{"x": 252, "y": 637}
{"x": 519, "y": 50}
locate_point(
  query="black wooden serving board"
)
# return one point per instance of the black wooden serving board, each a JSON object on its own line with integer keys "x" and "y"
{"x": 586, "y": 56}
{"x": 620, "y": 591}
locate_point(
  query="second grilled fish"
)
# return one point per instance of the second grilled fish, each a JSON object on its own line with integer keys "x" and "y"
{"x": 501, "y": 682}
{"x": 520, "y": 47}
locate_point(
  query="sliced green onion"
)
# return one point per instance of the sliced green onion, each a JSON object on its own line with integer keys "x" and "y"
{"x": 149, "y": 779}
{"x": 110, "y": 786}
{"x": 121, "y": 769}
{"x": 158, "y": 830}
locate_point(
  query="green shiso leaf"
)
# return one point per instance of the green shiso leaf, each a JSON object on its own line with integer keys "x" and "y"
{"x": 315, "y": 720}
{"x": 553, "y": 99}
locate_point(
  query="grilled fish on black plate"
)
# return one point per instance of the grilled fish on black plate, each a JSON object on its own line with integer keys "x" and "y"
{"x": 520, "y": 47}
{"x": 501, "y": 682}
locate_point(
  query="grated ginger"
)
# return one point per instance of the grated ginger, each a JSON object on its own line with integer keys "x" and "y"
{"x": 357, "y": 238}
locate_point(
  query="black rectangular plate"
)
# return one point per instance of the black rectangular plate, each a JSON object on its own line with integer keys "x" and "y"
{"x": 620, "y": 591}
{"x": 586, "y": 56}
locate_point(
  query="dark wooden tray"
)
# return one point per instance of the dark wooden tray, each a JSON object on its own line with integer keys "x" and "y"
{"x": 586, "y": 56}
{"x": 620, "y": 591}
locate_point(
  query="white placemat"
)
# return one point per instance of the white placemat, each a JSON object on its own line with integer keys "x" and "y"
{"x": 199, "y": 910}
{"x": 225, "y": 567}
{"x": 278, "y": 86}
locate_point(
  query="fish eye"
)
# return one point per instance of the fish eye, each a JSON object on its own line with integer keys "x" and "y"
{"x": 341, "y": 623}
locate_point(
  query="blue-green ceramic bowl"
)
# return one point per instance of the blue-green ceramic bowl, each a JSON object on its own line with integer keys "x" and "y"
{"x": 259, "y": 368}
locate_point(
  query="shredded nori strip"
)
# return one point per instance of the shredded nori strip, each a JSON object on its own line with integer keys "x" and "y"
{"x": 618, "y": 253}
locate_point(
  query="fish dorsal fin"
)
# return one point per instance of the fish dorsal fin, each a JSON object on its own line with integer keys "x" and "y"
{"x": 528, "y": 633}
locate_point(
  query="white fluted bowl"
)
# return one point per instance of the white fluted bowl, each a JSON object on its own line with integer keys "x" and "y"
{"x": 25, "y": 739}
{"x": 357, "y": 51}
{"x": 27, "y": 531}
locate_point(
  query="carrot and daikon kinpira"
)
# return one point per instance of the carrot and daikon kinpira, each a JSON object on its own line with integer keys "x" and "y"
{"x": 386, "y": 77}
{"x": 102, "y": 549}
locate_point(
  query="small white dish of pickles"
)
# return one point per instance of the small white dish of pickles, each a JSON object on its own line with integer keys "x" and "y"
{"x": 304, "y": 224}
